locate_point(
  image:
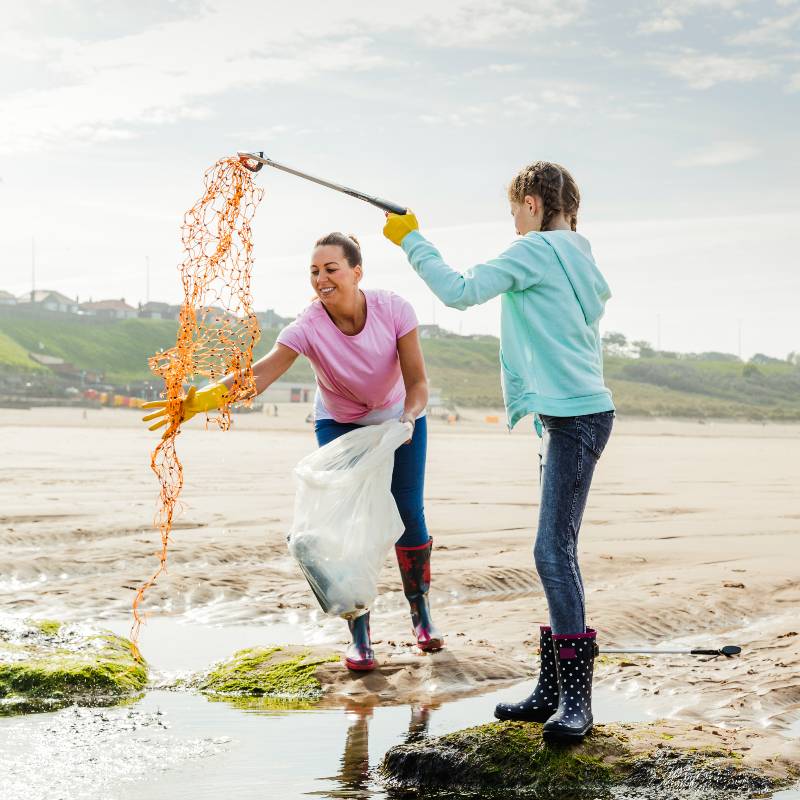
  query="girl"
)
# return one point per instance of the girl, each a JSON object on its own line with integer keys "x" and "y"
{"x": 552, "y": 298}
{"x": 365, "y": 351}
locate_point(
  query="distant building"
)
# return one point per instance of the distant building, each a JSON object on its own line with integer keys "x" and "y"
{"x": 7, "y": 299}
{"x": 109, "y": 309}
{"x": 153, "y": 310}
{"x": 48, "y": 300}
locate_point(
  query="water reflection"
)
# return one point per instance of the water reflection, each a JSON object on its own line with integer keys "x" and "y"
{"x": 356, "y": 777}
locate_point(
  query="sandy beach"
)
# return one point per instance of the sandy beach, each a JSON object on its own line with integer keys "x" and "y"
{"x": 690, "y": 538}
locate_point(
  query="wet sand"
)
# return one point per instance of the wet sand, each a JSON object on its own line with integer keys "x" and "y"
{"x": 690, "y": 538}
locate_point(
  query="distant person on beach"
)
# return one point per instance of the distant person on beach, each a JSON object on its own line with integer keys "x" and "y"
{"x": 364, "y": 347}
{"x": 552, "y": 298}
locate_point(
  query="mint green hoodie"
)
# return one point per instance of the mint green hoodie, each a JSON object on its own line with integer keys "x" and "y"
{"x": 552, "y": 299}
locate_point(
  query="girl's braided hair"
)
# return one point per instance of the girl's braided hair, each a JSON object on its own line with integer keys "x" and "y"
{"x": 554, "y": 185}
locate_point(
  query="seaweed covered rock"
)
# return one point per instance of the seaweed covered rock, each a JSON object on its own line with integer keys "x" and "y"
{"x": 498, "y": 758}
{"x": 277, "y": 672}
{"x": 46, "y": 664}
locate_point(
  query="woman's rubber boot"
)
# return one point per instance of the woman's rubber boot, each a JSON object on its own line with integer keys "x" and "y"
{"x": 543, "y": 703}
{"x": 575, "y": 664}
{"x": 359, "y": 656}
{"x": 415, "y": 570}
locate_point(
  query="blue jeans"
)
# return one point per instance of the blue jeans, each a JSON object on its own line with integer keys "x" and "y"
{"x": 408, "y": 478}
{"x": 571, "y": 449}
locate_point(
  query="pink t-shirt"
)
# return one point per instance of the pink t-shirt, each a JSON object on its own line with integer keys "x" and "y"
{"x": 360, "y": 373}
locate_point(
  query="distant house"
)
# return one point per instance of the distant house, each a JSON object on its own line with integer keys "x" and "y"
{"x": 7, "y": 299}
{"x": 48, "y": 300}
{"x": 154, "y": 310}
{"x": 109, "y": 309}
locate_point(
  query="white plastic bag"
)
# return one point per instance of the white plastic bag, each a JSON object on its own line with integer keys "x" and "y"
{"x": 345, "y": 518}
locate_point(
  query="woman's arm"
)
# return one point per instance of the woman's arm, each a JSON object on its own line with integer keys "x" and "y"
{"x": 268, "y": 368}
{"x": 412, "y": 365}
{"x": 266, "y": 371}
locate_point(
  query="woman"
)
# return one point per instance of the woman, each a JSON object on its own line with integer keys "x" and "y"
{"x": 552, "y": 298}
{"x": 364, "y": 348}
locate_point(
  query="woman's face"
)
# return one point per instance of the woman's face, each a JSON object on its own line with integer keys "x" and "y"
{"x": 332, "y": 278}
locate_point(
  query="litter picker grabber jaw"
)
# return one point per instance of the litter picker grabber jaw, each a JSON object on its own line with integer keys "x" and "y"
{"x": 255, "y": 161}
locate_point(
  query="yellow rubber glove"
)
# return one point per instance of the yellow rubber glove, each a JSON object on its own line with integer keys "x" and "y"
{"x": 398, "y": 226}
{"x": 207, "y": 399}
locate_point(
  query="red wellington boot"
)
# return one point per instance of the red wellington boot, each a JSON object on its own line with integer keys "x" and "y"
{"x": 415, "y": 570}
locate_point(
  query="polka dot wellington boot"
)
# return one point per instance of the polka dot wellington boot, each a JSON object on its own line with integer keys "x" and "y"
{"x": 575, "y": 664}
{"x": 542, "y": 704}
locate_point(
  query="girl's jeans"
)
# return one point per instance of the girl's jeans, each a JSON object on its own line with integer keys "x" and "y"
{"x": 408, "y": 478}
{"x": 570, "y": 450}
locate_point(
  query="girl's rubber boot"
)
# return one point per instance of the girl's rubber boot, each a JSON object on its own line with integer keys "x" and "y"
{"x": 543, "y": 703}
{"x": 575, "y": 663}
{"x": 359, "y": 656}
{"x": 415, "y": 570}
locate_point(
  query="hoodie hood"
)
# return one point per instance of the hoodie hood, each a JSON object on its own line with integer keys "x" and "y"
{"x": 575, "y": 256}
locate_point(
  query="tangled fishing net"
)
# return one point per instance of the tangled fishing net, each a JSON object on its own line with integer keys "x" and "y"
{"x": 217, "y": 330}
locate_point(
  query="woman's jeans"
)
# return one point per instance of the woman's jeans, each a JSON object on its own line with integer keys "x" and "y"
{"x": 408, "y": 478}
{"x": 570, "y": 450}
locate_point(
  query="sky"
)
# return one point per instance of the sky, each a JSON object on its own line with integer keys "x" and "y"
{"x": 679, "y": 121}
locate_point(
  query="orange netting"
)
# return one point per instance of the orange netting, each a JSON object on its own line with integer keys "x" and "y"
{"x": 217, "y": 328}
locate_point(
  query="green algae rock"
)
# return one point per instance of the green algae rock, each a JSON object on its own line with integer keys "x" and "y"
{"x": 46, "y": 664}
{"x": 503, "y": 758}
{"x": 277, "y": 672}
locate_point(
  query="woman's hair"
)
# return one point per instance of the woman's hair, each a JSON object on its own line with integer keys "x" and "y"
{"x": 554, "y": 185}
{"x": 349, "y": 244}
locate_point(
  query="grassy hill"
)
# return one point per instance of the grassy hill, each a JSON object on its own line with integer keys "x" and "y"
{"x": 465, "y": 369}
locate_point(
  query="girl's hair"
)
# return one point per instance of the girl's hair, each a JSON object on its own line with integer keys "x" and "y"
{"x": 349, "y": 244}
{"x": 554, "y": 185}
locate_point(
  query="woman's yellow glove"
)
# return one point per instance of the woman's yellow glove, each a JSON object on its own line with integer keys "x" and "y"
{"x": 398, "y": 226}
{"x": 207, "y": 399}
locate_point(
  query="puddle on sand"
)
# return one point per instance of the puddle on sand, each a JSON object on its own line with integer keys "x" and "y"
{"x": 171, "y": 644}
{"x": 173, "y": 745}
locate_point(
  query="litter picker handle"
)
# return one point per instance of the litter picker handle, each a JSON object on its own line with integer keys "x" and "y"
{"x": 254, "y": 162}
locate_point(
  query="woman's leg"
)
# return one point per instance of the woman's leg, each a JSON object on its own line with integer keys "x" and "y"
{"x": 574, "y": 445}
{"x": 413, "y": 548}
{"x": 359, "y": 656}
{"x": 408, "y": 486}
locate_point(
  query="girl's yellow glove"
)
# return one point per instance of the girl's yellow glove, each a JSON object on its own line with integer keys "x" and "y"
{"x": 207, "y": 399}
{"x": 398, "y": 226}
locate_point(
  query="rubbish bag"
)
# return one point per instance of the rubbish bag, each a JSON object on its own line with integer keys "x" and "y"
{"x": 345, "y": 518}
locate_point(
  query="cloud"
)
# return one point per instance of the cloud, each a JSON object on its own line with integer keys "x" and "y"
{"x": 719, "y": 154}
{"x": 794, "y": 83}
{"x": 671, "y": 13}
{"x": 665, "y": 24}
{"x": 701, "y": 71}
{"x": 778, "y": 31}
{"x": 170, "y": 65}
{"x": 496, "y": 69}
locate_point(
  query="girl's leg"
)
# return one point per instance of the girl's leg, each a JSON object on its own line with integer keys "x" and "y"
{"x": 359, "y": 656}
{"x": 414, "y": 546}
{"x": 573, "y": 448}
{"x": 574, "y": 444}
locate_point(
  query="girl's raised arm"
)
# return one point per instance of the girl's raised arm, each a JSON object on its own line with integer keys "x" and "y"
{"x": 519, "y": 267}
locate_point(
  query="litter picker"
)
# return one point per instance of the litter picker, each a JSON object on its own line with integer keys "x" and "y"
{"x": 728, "y": 651}
{"x": 255, "y": 161}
